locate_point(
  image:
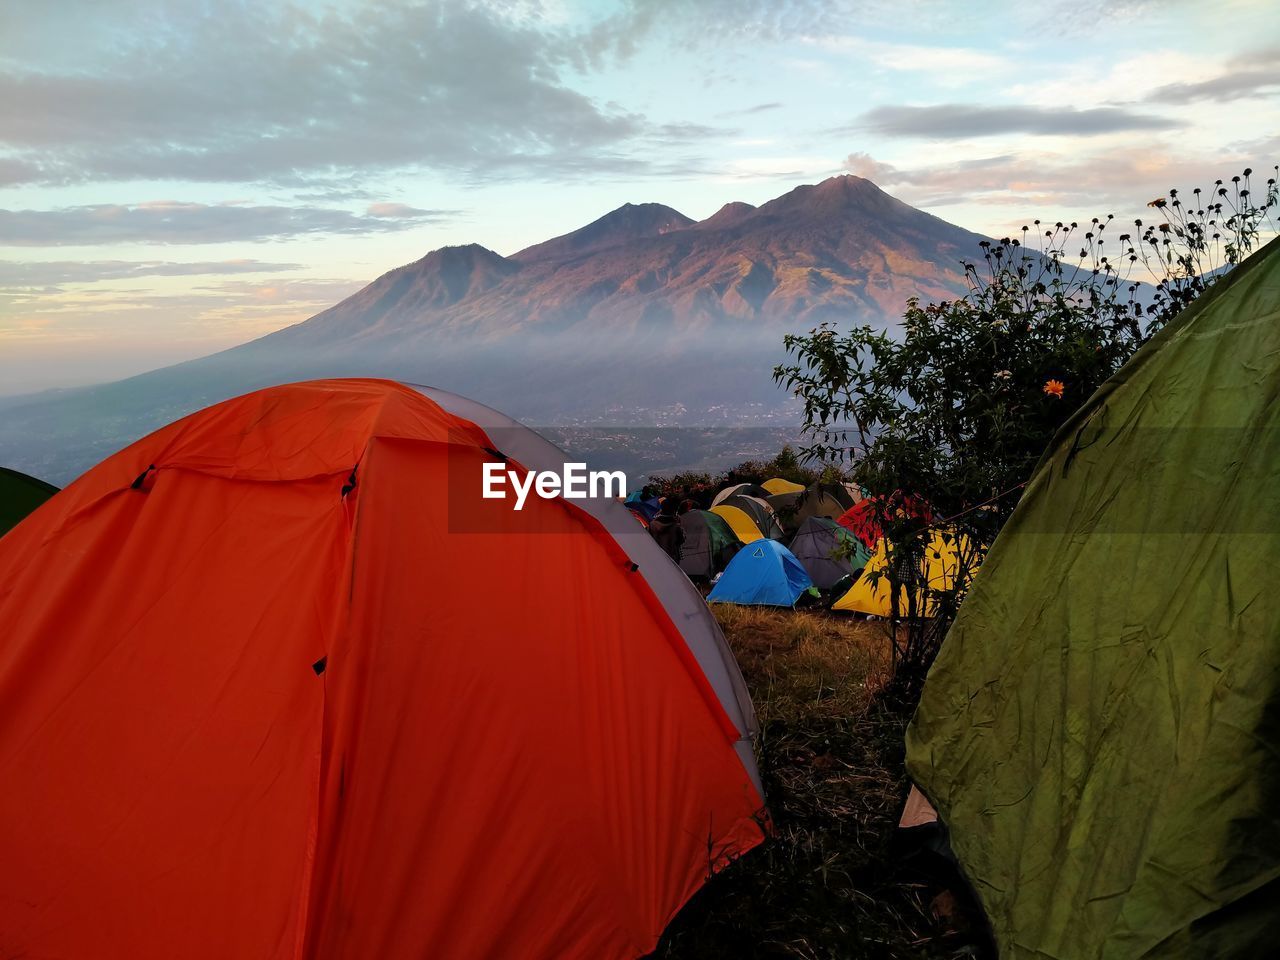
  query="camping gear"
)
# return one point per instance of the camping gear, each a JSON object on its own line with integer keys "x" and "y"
{"x": 258, "y": 704}
{"x": 743, "y": 527}
{"x": 709, "y": 544}
{"x": 759, "y": 511}
{"x": 740, "y": 489}
{"x": 1099, "y": 730}
{"x": 821, "y": 544}
{"x": 870, "y": 593}
{"x": 19, "y": 496}
{"x": 763, "y": 573}
{"x": 778, "y": 485}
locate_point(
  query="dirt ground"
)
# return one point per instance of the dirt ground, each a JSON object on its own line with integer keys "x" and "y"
{"x": 837, "y": 880}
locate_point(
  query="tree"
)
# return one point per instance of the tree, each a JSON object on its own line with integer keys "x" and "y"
{"x": 956, "y": 407}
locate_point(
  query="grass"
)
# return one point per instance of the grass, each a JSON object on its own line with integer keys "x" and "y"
{"x": 833, "y": 881}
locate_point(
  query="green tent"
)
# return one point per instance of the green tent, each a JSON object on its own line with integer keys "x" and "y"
{"x": 709, "y": 544}
{"x": 1101, "y": 730}
{"x": 19, "y": 495}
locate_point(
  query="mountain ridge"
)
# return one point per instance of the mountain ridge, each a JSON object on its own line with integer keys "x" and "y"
{"x": 642, "y": 316}
{"x": 819, "y": 252}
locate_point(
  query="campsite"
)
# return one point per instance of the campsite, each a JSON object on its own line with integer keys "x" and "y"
{"x": 794, "y": 736}
{"x": 639, "y": 480}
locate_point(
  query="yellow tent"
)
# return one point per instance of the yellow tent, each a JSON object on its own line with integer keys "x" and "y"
{"x": 740, "y": 522}
{"x": 777, "y": 485}
{"x": 941, "y": 564}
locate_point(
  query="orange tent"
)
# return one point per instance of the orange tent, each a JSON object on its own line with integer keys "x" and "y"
{"x": 252, "y": 704}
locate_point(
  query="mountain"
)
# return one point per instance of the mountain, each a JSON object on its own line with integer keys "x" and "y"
{"x": 840, "y": 249}
{"x": 641, "y": 317}
{"x": 631, "y": 221}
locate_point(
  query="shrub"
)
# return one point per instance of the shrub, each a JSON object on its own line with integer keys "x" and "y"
{"x": 956, "y": 406}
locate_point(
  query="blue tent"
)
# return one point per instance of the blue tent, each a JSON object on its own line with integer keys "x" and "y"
{"x": 764, "y": 572}
{"x": 646, "y": 508}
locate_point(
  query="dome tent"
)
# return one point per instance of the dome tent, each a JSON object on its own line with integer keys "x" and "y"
{"x": 777, "y": 486}
{"x": 740, "y": 490}
{"x": 870, "y": 593}
{"x": 761, "y": 514}
{"x": 1099, "y": 730}
{"x": 743, "y": 527}
{"x": 828, "y": 500}
{"x": 709, "y": 544}
{"x": 818, "y": 544}
{"x": 763, "y": 573}
{"x": 19, "y": 495}
{"x": 262, "y": 710}
{"x": 646, "y": 510}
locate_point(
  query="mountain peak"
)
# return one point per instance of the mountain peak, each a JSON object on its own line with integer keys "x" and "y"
{"x": 731, "y": 213}
{"x": 835, "y": 196}
{"x": 847, "y": 184}
{"x": 460, "y": 255}
{"x": 631, "y": 221}
{"x": 441, "y": 278}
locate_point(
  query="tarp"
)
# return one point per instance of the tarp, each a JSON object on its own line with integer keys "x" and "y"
{"x": 19, "y": 495}
{"x": 740, "y": 523}
{"x": 763, "y": 573}
{"x": 778, "y": 485}
{"x": 709, "y": 543}
{"x": 827, "y": 551}
{"x": 250, "y": 707}
{"x": 1100, "y": 730}
{"x": 871, "y": 594}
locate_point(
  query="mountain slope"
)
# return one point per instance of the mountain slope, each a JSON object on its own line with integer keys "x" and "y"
{"x": 643, "y": 316}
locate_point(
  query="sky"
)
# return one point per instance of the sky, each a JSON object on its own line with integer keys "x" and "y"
{"x": 177, "y": 176}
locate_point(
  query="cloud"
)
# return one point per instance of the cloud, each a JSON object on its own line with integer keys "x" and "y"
{"x": 675, "y": 133}
{"x": 950, "y": 65}
{"x": 1047, "y": 185}
{"x": 700, "y": 24}
{"x": 98, "y": 333}
{"x": 401, "y": 211}
{"x": 956, "y": 121}
{"x": 228, "y": 311}
{"x": 1076, "y": 17}
{"x": 166, "y": 221}
{"x": 49, "y": 273}
{"x": 1233, "y": 85}
{"x": 1229, "y": 86}
{"x": 869, "y": 168}
{"x": 286, "y": 94}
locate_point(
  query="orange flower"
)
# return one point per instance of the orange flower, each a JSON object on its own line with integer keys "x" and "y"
{"x": 1054, "y": 388}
